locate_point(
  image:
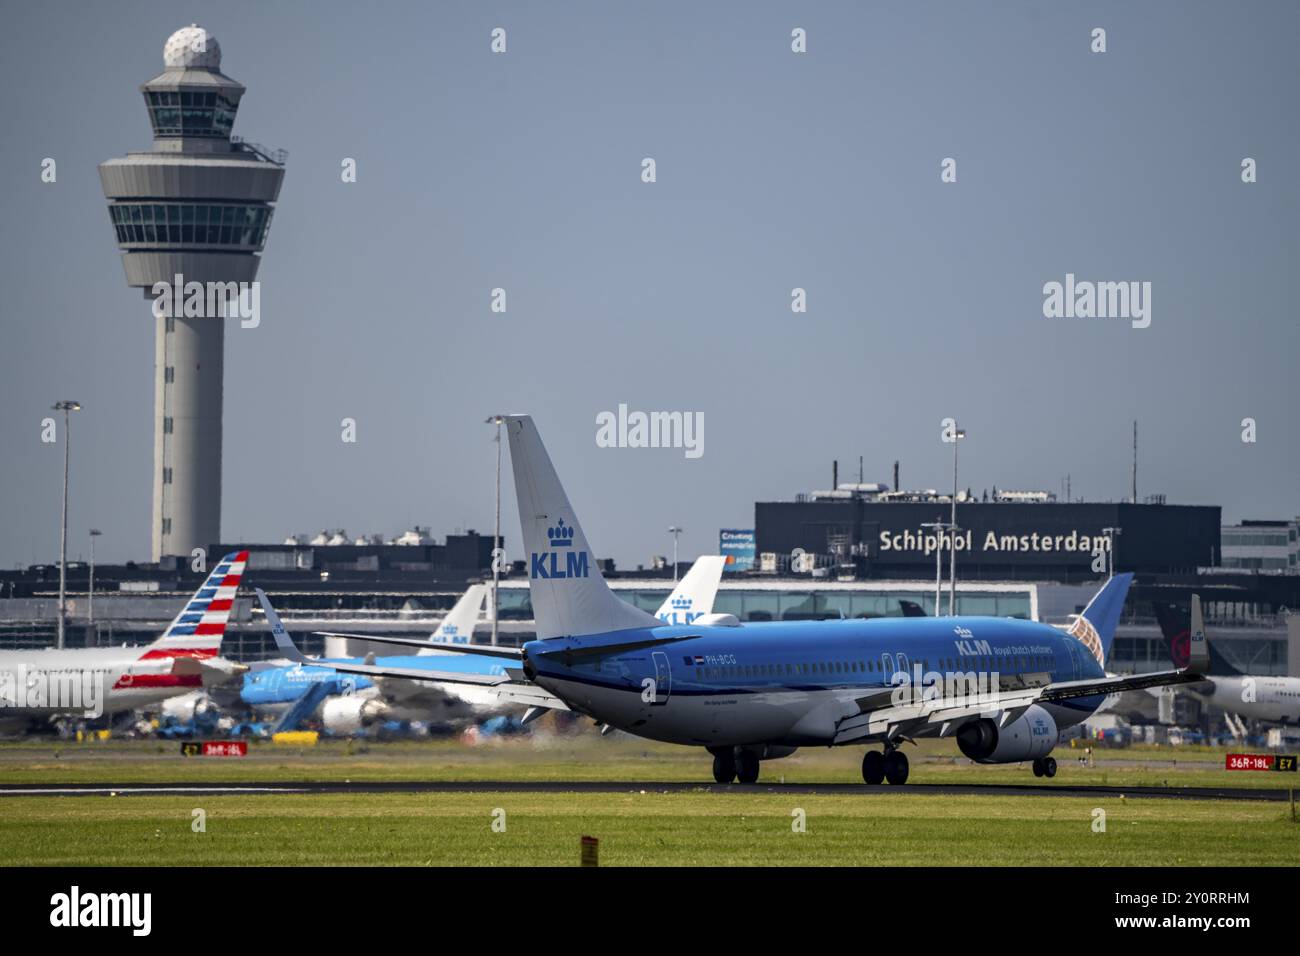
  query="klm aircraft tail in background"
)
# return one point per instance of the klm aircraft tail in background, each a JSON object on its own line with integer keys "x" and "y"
{"x": 693, "y": 597}
{"x": 458, "y": 626}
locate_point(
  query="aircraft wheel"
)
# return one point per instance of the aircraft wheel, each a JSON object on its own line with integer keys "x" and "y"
{"x": 747, "y": 767}
{"x": 896, "y": 767}
{"x": 873, "y": 767}
{"x": 1049, "y": 766}
{"x": 1038, "y": 767}
{"x": 724, "y": 767}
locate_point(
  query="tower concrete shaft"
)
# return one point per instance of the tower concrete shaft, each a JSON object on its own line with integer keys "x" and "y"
{"x": 189, "y": 214}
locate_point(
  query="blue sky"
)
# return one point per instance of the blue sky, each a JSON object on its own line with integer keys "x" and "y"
{"x": 775, "y": 171}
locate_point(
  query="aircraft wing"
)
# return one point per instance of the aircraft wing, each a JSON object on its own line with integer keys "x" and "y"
{"x": 879, "y": 718}
{"x": 1067, "y": 690}
{"x": 510, "y": 687}
{"x": 423, "y": 643}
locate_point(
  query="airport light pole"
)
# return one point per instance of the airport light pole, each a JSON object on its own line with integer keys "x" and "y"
{"x": 67, "y": 407}
{"x": 90, "y": 592}
{"x": 938, "y": 527}
{"x": 958, "y": 435}
{"x": 496, "y": 420}
{"x": 675, "y": 531}
{"x": 1111, "y": 534}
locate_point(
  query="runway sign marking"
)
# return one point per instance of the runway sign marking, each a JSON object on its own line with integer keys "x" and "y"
{"x": 1283, "y": 762}
{"x": 215, "y": 748}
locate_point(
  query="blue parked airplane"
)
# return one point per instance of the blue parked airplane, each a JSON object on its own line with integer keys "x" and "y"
{"x": 348, "y": 702}
{"x": 1002, "y": 688}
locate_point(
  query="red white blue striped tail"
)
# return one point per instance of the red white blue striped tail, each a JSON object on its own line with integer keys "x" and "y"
{"x": 199, "y": 627}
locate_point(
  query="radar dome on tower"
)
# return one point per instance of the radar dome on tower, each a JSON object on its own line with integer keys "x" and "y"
{"x": 192, "y": 47}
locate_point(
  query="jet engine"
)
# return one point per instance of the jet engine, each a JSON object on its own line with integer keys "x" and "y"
{"x": 1030, "y": 736}
{"x": 350, "y": 714}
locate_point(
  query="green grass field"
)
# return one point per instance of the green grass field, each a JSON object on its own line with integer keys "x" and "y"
{"x": 640, "y": 829}
{"x": 585, "y": 757}
{"x": 885, "y": 827}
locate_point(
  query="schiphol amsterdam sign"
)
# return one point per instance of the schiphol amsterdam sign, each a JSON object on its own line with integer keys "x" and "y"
{"x": 924, "y": 543}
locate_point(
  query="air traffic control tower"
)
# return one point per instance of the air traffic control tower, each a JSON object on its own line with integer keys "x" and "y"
{"x": 197, "y": 206}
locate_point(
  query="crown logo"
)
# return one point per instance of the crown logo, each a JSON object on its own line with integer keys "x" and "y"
{"x": 560, "y": 536}
{"x": 681, "y": 603}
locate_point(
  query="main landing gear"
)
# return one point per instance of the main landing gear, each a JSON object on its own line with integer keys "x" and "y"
{"x": 741, "y": 765}
{"x": 1045, "y": 767}
{"x": 891, "y": 765}
{"x": 724, "y": 766}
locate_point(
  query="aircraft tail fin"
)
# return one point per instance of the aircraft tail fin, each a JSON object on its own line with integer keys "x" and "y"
{"x": 570, "y": 598}
{"x": 458, "y": 626}
{"x": 284, "y": 644}
{"x": 695, "y": 593}
{"x": 199, "y": 627}
{"x": 1095, "y": 627}
{"x": 1176, "y": 627}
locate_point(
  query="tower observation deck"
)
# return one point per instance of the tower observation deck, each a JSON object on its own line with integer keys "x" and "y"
{"x": 194, "y": 209}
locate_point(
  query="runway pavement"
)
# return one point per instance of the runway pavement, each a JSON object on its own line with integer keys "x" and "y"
{"x": 512, "y": 786}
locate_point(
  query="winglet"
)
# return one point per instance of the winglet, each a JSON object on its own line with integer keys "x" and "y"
{"x": 282, "y": 641}
{"x": 1198, "y": 649}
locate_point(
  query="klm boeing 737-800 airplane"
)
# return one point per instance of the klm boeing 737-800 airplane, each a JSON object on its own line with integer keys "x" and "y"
{"x": 1002, "y": 688}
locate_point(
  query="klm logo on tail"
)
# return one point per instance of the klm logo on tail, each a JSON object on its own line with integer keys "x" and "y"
{"x": 681, "y": 612}
{"x": 548, "y": 565}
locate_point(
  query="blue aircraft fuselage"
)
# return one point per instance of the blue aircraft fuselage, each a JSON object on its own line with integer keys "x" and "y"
{"x": 285, "y": 685}
{"x": 790, "y": 682}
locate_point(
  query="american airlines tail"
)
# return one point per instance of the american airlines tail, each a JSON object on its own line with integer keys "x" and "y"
{"x": 198, "y": 629}
{"x": 458, "y": 626}
{"x": 570, "y": 598}
{"x": 1095, "y": 627}
{"x": 193, "y": 639}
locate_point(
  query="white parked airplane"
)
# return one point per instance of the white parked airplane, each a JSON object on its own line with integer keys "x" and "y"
{"x": 91, "y": 682}
{"x": 1274, "y": 700}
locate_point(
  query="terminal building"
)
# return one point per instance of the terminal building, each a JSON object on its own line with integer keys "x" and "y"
{"x": 1020, "y": 554}
{"x": 1268, "y": 547}
{"x": 872, "y": 536}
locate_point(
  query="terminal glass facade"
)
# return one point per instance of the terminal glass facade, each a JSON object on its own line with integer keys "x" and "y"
{"x": 797, "y": 604}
